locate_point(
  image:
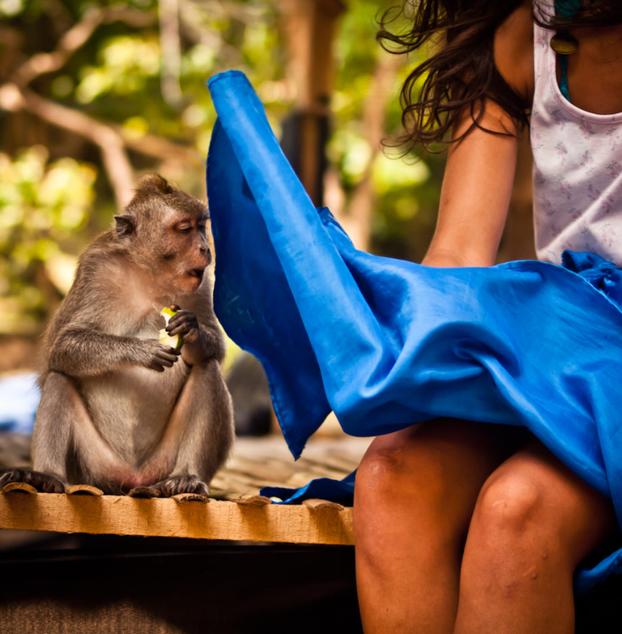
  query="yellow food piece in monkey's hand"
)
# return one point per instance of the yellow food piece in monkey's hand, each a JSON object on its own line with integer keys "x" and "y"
{"x": 164, "y": 338}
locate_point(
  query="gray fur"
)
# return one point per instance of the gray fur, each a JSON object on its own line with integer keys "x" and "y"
{"x": 119, "y": 410}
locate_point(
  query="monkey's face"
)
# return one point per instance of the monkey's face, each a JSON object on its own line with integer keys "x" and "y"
{"x": 164, "y": 230}
{"x": 184, "y": 252}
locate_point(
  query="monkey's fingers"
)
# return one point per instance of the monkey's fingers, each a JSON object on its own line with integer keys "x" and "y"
{"x": 145, "y": 492}
{"x": 189, "y": 332}
{"x": 159, "y": 365}
{"x": 8, "y": 476}
{"x": 180, "y": 329}
{"x": 155, "y": 365}
{"x": 182, "y": 484}
{"x": 168, "y": 354}
{"x": 164, "y": 358}
{"x": 181, "y": 312}
{"x": 178, "y": 315}
{"x": 189, "y": 320}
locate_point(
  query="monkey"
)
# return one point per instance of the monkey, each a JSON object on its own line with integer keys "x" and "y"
{"x": 118, "y": 409}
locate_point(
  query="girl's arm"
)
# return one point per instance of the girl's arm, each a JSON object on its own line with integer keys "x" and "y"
{"x": 479, "y": 175}
{"x": 475, "y": 194}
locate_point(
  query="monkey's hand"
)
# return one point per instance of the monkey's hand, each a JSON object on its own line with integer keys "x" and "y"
{"x": 156, "y": 356}
{"x": 184, "y": 323}
{"x": 200, "y": 344}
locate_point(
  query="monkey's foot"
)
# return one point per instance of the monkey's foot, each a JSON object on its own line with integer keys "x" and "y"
{"x": 43, "y": 482}
{"x": 145, "y": 492}
{"x": 181, "y": 484}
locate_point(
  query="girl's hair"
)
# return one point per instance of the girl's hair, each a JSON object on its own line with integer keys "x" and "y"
{"x": 462, "y": 71}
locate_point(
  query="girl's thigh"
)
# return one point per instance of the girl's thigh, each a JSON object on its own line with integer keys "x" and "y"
{"x": 425, "y": 479}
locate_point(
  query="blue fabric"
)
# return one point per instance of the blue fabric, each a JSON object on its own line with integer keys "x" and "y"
{"x": 386, "y": 343}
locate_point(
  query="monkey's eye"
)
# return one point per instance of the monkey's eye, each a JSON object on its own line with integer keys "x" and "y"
{"x": 184, "y": 228}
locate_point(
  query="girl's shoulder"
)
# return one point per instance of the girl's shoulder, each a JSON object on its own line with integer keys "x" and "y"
{"x": 513, "y": 50}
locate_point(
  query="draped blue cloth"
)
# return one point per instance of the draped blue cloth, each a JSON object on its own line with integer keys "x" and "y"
{"x": 386, "y": 343}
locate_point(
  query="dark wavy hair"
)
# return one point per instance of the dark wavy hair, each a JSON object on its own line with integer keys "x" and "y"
{"x": 461, "y": 71}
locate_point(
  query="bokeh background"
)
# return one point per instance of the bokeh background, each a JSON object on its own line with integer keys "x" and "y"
{"x": 92, "y": 95}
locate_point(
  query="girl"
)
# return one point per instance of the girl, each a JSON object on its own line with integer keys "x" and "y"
{"x": 469, "y": 527}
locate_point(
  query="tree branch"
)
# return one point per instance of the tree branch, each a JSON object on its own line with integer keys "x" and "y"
{"x": 111, "y": 139}
{"x": 171, "y": 52}
{"x": 159, "y": 147}
{"x": 11, "y": 41}
{"x": 191, "y": 19}
{"x": 360, "y": 209}
{"x": 75, "y": 38}
{"x": 108, "y": 140}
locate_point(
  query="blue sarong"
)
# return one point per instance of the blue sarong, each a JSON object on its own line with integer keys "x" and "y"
{"x": 386, "y": 343}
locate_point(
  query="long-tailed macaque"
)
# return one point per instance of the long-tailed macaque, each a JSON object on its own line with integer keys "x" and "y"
{"x": 118, "y": 409}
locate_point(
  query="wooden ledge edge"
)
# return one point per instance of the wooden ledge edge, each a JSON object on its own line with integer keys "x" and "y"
{"x": 167, "y": 517}
{"x": 83, "y": 489}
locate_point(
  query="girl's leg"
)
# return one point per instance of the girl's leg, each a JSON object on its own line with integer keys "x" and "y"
{"x": 534, "y": 521}
{"x": 414, "y": 496}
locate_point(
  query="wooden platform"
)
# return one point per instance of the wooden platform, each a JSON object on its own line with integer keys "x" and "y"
{"x": 236, "y": 512}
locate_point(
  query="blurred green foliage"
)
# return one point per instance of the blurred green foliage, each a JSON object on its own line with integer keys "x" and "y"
{"x": 43, "y": 207}
{"x": 406, "y": 187}
{"x": 54, "y": 192}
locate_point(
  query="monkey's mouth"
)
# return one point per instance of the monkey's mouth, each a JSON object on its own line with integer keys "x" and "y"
{"x": 197, "y": 273}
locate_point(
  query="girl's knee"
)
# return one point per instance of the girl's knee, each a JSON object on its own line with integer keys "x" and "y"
{"x": 514, "y": 537}
{"x": 399, "y": 512}
{"x": 406, "y": 486}
{"x": 399, "y": 470}
{"x": 440, "y": 463}
{"x": 509, "y": 506}
{"x": 533, "y": 504}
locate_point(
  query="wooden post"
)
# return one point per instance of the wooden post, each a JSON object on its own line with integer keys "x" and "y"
{"x": 309, "y": 27}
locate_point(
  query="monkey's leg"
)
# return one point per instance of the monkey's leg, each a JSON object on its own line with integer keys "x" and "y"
{"x": 51, "y": 441}
{"x": 198, "y": 436}
{"x": 66, "y": 444}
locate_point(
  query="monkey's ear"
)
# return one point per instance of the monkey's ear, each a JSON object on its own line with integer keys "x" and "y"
{"x": 124, "y": 225}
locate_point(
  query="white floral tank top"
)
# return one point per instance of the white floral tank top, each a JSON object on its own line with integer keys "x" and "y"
{"x": 577, "y": 171}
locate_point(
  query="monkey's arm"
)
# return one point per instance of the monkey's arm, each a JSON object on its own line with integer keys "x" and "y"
{"x": 82, "y": 352}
